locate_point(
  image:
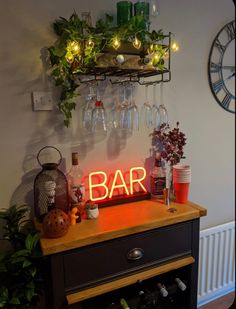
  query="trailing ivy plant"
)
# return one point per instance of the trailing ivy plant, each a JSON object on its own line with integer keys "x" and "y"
{"x": 78, "y": 45}
{"x": 20, "y": 275}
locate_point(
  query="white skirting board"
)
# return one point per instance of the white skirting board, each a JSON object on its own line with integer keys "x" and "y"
{"x": 216, "y": 262}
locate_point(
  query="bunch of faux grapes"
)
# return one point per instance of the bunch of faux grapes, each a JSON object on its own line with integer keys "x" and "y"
{"x": 170, "y": 143}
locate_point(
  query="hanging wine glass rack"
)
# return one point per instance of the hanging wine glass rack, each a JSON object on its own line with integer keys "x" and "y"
{"x": 119, "y": 73}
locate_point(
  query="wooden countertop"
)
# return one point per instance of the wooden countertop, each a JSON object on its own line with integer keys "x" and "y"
{"x": 120, "y": 220}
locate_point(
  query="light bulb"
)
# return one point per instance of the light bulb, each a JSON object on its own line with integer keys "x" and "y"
{"x": 136, "y": 43}
{"x": 73, "y": 47}
{"x": 155, "y": 59}
{"x": 166, "y": 55}
{"x": 174, "y": 46}
{"x": 90, "y": 44}
{"x": 150, "y": 49}
{"x": 115, "y": 43}
{"x": 69, "y": 57}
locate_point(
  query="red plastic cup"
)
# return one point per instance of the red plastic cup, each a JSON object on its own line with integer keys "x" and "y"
{"x": 181, "y": 192}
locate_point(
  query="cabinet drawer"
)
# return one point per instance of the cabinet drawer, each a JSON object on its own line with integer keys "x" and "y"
{"x": 111, "y": 259}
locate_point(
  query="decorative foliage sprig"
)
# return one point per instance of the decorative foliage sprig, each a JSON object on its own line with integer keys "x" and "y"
{"x": 170, "y": 143}
{"x": 79, "y": 44}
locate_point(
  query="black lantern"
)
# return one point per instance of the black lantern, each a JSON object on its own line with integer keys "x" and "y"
{"x": 50, "y": 188}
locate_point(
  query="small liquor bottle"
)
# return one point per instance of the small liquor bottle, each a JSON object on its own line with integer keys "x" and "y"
{"x": 157, "y": 178}
{"x": 76, "y": 186}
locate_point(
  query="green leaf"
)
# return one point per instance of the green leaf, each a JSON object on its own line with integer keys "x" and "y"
{"x": 22, "y": 253}
{"x": 33, "y": 271}
{"x": 17, "y": 260}
{"x": 2, "y": 303}
{"x": 31, "y": 241}
{"x": 4, "y": 292}
{"x": 26, "y": 263}
{"x": 15, "y": 301}
{"x": 29, "y": 294}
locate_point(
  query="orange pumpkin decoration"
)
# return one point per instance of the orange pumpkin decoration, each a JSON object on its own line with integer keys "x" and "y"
{"x": 56, "y": 223}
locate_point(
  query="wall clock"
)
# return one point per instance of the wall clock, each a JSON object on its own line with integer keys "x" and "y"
{"x": 221, "y": 67}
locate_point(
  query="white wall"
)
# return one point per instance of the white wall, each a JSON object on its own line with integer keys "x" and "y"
{"x": 25, "y": 28}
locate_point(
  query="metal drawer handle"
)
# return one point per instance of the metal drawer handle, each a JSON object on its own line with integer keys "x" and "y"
{"x": 135, "y": 254}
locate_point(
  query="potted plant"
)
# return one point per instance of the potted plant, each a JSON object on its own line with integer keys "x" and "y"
{"x": 20, "y": 275}
{"x": 91, "y": 210}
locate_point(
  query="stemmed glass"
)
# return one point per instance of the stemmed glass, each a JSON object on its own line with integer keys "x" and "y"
{"x": 99, "y": 122}
{"x": 132, "y": 113}
{"x": 162, "y": 109}
{"x": 163, "y": 114}
{"x": 155, "y": 111}
{"x": 87, "y": 111}
{"x": 146, "y": 111}
{"x": 122, "y": 111}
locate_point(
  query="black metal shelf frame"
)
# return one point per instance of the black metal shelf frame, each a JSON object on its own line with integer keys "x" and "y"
{"x": 119, "y": 75}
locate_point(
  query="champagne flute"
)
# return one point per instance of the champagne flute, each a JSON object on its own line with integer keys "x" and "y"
{"x": 146, "y": 111}
{"x": 162, "y": 109}
{"x": 87, "y": 111}
{"x": 99, "y": 122}
{"x": 155, "y": 111}
{"x": 122, "y": 110}
{"x": 113, "y": 117}
{"x": 132, "y": 113}
{"x": 163, "y": 114}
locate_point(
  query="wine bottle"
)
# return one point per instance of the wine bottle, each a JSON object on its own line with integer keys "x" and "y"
{"x": 124, "y": 304}
{"x": 75, "y": 183}
{"x": 162, "y": 289}
{"x": 147, "y": 300}
{"x": 167, "y": 300}
{"x": 181, "y": 285}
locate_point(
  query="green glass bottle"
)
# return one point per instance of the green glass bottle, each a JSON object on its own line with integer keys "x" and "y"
{"x": 124, "y": 12}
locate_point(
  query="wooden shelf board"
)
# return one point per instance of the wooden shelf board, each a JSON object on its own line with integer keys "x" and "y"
{"x": 128, "y": 280}
{"x": 119, "y": 221}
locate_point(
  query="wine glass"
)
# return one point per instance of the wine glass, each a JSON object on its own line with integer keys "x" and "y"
{"x": 155, "y": 111}
{"x": 99, "y": 123}
{"x": 132, "y": 113}
{"x": 162, "y": 109}
{"x": 87, "y": 111}
{"x": 122, "y": 110}
{"x": 146, "y": 111}
{"x": 163, "y": 114}
{"x": 113, "y": 116}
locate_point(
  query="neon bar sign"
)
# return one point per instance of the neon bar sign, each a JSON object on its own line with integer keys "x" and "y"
{"x": 117, "y": 183}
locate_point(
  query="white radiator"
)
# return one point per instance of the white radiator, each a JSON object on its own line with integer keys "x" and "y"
{"x": 216, "y": 262}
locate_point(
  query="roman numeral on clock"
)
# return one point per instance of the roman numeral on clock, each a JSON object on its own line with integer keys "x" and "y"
{"x": 220, "y": 47}
{"x": 217, "y": 86}
{"x": 227, "y": 99}
{"x": 214, "y": 67}
{"x": 231, "y": 31}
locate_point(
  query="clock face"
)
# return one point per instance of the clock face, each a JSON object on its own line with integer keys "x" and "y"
{"x": 221, "y": 67}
